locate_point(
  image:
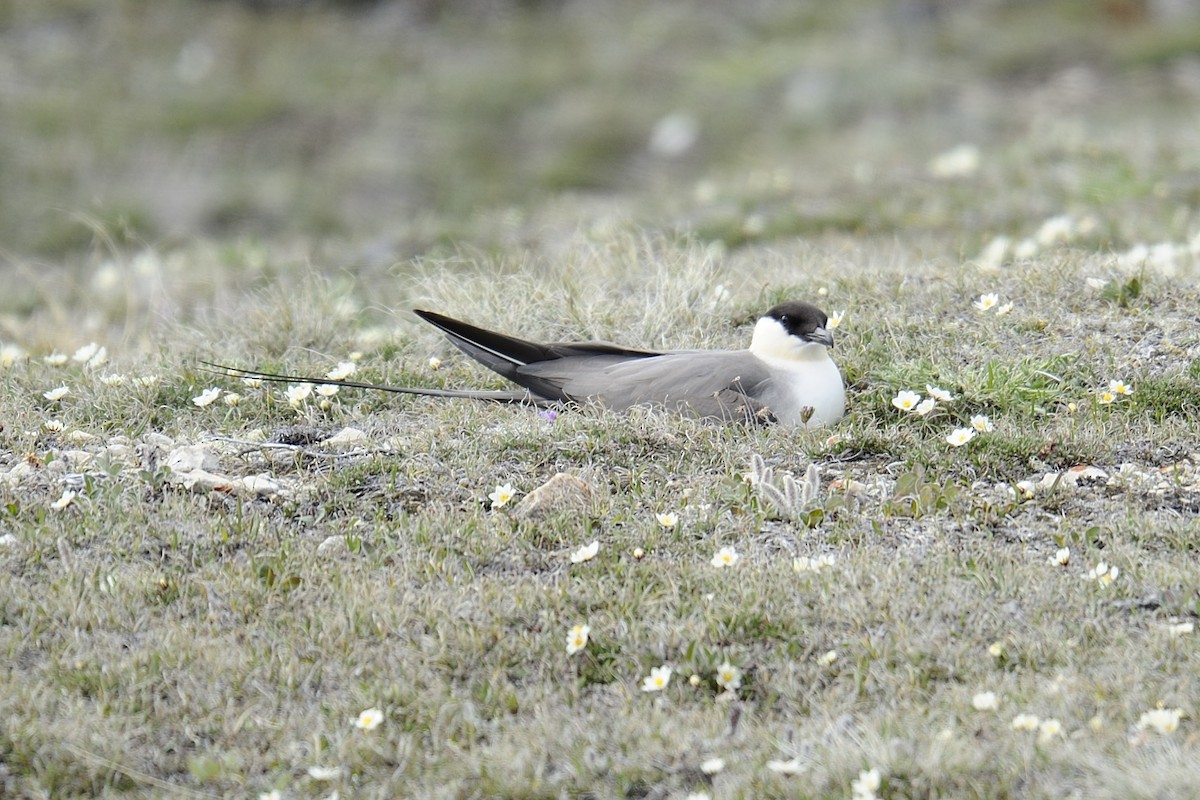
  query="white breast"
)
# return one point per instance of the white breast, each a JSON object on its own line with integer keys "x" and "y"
{"x": 799, "y": 384}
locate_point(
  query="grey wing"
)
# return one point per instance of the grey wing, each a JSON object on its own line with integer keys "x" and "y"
{"x": 722, "y": 385}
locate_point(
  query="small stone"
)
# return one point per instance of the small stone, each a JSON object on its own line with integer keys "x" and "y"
{"x": 561, "y": 493}
{"x": 333, "y": 545}
{"x": 262, "y": 485}
{"x": 346, "y": 438}
{"x": 82, "y": 437}
{"x": 199, "y": 480}
{"x": 192, "y": 457}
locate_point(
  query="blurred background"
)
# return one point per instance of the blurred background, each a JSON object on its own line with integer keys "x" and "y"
{"x": 381, "y": 131}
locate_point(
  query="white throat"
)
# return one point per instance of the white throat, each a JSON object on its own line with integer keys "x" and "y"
{"x": 772, "y": 343}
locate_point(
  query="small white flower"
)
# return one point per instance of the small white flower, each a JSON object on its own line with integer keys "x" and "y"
{"x": 207, "y": 397}
{"x": 790, "y": 767}
{"x": 1177, "y": 629}
{"x": 729, "y": 677}
{"x": 318, "y": 773}
{"x": 1097, "y": 283}
{"x": 725, "y": 557}
{"x": 906, "y": 400}
{"x": 1004, "y": 309}
{"x": 274, "y": 794}
{"x": 502, "y": 494}
{"x": 804, "y": 564}
{"x": 835, "y": 319}
{"x": 343, "y": 370}
{"x": 667, "y": 520}
{"x": 52, "y": 426}
{"x": 866, "y": 784}
{"x": 297, "y": 394}
{"x": 1025, "y": 722}
{"x": 1061, "y": 557}
{"x": 369, "y": 719}
{"x": 252, "y": 383}
{"x": 56, "y": 394}
{"x": 939, "y": 394}
{"x": 827, "y": 658}
{"x": 113, "y": 379}
{"x": 1161, "y": 720}
{"x": 985, "y": 701}
{"x": 68, "y": 497}
{"x": 1103, "y": 574}
{"x": 996, "y": 649}
{"x": 10, "y": 354}
{"x": 657, "y": 680}
{"x": 1025, "y": 249}
{"x": 328, "y": 390}
{"x": 435, "y": 363}
{"x": 925, "y": 406}
{"x": 146, "y": 381}
{"x": 585, "y": 553}
{"x": 712, "y": 766}
{"x": 982, "y": 424}
{"x": 577, "y": 638}
{"x": 960, "y": 161}
{"x": 960, "y": 436}
{"x": 1049, "y": 730}
{"x": 232, "y": 399}
{"x": 55, "y": 359}
{"x": 1120, "y": 387}
{"x": 987, "y": 302}
{"x": 87, "y": 353}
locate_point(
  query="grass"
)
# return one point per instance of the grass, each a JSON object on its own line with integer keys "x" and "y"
{"x": 161, "y": 641}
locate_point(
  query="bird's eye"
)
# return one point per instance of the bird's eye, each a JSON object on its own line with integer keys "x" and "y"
{"x": 784, "y": 319}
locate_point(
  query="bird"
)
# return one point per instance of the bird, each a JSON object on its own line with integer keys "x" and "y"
{"x": 786, "y": 375}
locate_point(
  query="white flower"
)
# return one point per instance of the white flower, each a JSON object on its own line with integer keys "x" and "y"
{"x": 960, "y": 436}
{"x": 577, "y": 638}
{"x": 712, "y": 766}
{"x": 585, "y": 553}
{"x": 435, "y": 363}
{"x": 1161, "y": 720}
{"x": 939, "y": 394}
{"x": 1025, "y": 722}
{"x": 866, "y": 784}
{"x": 982, "y": 424}
{"x": 232, "y": 398}
{"x": 985, "y": 701}
{"x": 1056, "y": 230}
{"x": 68, "y": 497}
{"x": 835, "y": 319}
{"x": 1177, "y": 629}
{"x": 328, "y": 390}
{"x": 298, "y": 394}
{"x": 1004, "y": 309}
{"x": 925, "y": 406}
{"x": 804, "y": 564}
{"x": 725, "y": 557}
{"x": 369, "y": 719}
{"x": 906, "y": 400}
{"x": 253, "y": 383}
{"x": 56, "y": 394}
{"x": 1062, "y": 557}
{"x": 667, "y": 520}
{"x": 1103, "y": 574}
{"x": 790, "y": 767}
{"x": 324, "y": 773}
{"x": 274, "y": 794}
{"x": 89, "y": 352}
{"x": 729, "y": 677}
{"x": 657, "y": 680}
{"x": 1106, "y": 398}
{"x": 1049, "y": 730}
{"x": 960, "y": 161}
{"x": 501, "y": 495}
{"x": 994, "y": 253}
{"x": 55, "y": 359}
{"x": 827, "y": 658}
{"x": 53, "y": 426}
{"x": 113, "y": 379}
{"x": 697, "y": 796}
{"x": 996, "y": 649}
{"x": 343, "y": 370}
{"x": 10, "y": 354}
{"x": 1120, "y": 387}
{"x": 987, "y": 302}
{"x": 206, "y": 397}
